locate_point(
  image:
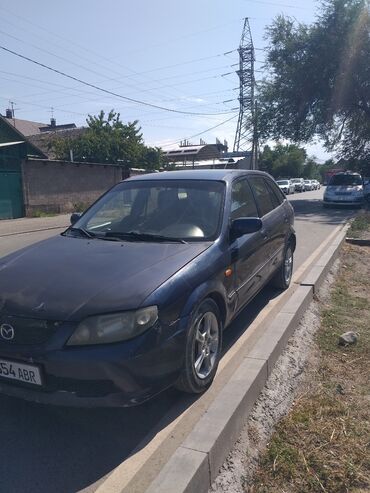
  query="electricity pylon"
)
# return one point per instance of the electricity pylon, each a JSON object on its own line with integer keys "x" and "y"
{"x": 246, "y": 132}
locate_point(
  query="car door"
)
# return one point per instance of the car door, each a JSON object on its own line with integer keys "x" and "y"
{"x": 274, "y": 222}
{"x": 248, "y": 251}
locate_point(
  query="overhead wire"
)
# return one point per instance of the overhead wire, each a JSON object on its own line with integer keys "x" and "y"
{"x": 94, "y": 86}
{"x": 200, "y": 133}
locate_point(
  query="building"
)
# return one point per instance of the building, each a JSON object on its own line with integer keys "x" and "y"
{"x": 206, "y": 156}
{"x": 32, "y": 182}
{"x": 186, "y": 153}
{"x": 27, "y": 127}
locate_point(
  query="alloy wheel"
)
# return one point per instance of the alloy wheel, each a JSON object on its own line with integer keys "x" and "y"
{"x": 288, "y": 265}
{"x": 206, "y": 344}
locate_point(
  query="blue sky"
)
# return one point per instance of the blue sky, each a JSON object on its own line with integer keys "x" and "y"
{"x": 167, "y": 53}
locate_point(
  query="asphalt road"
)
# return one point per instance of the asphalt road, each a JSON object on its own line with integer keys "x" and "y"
{"x": 47, "y": 449}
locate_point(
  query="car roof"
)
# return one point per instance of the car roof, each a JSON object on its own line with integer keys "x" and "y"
{"x": 227, "y": 175}
{"x": 348, "y": 173}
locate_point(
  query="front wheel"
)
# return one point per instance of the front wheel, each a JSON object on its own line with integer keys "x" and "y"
{"x": 203, "y": 349}
{"x": 283, "y": 276}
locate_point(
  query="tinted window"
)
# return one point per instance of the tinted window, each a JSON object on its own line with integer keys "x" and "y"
{"x": 242, "y": 200}
{"x": 263, "y": 195}
{"x": 345, "y": 180}
{"x": 277, "y": 195}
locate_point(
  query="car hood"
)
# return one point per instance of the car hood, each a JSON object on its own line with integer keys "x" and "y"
{"x": 65, "y": 278}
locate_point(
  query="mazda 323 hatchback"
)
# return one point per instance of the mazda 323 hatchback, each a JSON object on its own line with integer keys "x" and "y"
{"x": 133, "y": 297}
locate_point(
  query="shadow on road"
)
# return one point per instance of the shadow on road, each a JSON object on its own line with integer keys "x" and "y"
{"x": 312, "y": 210}
{"x": 45, "y": 448}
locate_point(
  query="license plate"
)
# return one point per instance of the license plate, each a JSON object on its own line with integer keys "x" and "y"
{"x": 22, "y": 373}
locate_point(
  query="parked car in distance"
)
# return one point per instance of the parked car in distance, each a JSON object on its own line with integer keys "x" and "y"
{"x": 298, "y": 183}
{"x": 133, "y": 297}
{"x": 344, "y": 189}
{"x": 308, "y": 185}
{"x": 367, "y": 189}
{"x": 286, "y": 186}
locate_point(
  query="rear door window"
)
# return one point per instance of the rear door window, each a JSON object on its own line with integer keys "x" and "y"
{"x": 277, "y": 195}
{"x": 263, "y": 195}
{"x": 242, "y": 200}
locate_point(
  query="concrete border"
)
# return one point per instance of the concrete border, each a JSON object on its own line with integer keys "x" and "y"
{"x": 197, "y": 461}
{"x": 321, "y": 267}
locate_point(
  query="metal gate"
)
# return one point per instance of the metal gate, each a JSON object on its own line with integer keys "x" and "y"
{"x": 11, "y": 195}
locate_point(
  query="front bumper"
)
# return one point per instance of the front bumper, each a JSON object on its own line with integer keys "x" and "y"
{"x": 111, "y": 375}
{"x": 350, "y": 201}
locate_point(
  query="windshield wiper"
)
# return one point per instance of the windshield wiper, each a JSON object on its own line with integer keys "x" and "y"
{"x": 133, "y": 235}
{"x": 81, "y": 231}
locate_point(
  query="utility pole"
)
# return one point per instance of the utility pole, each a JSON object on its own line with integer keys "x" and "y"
{"x": 246, "y": 131}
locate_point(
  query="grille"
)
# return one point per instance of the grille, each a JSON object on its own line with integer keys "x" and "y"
{"x": 26, "y": 330}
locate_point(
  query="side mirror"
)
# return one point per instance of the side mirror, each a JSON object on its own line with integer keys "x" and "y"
{"x": 75, "y": 217}
{"x": 244, "y": 225}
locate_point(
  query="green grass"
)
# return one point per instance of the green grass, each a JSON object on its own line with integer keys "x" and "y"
{"x": 43, "y": 214}
{"x": 323, "y": 444}
{"x": 359, "y": 225}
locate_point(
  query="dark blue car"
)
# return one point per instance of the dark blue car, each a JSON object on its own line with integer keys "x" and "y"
{"x": 134, "y": 296}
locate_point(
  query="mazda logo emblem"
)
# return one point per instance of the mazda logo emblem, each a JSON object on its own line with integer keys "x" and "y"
{"x": 7, "y": 332}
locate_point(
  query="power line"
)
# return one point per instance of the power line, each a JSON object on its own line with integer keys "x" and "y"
{"x": 275, "y": 4}
{"x": 201, "y": 133}
{"x": 132, "y": 100}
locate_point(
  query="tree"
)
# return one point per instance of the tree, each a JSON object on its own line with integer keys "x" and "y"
{"x": 108, "y": 140}
{"x": 283, "y": 161}
{"x": 319, "y": 80}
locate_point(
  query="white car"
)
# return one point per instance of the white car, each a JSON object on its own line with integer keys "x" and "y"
{"x": 309, "y": 185}
{"x": 298, "y": 184}
{"x": 286, "y": 186}
{"x": 344, "y": 189}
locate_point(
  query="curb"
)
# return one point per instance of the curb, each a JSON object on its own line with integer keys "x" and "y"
{"x": 33, "y": 231}
{"x": 197, "y": 461}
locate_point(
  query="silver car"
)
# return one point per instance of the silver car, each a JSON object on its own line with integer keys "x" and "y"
{"x": 286, "y": 186}
{"x": 344, "y": 189}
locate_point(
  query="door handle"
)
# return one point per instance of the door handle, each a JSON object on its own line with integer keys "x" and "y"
{"x": 264, "y": 234}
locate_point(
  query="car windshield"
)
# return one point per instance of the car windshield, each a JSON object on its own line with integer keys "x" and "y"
{"x": 282, "y": 182}
{"x": 295, "y": 180}
{"x": 156, "y": 210}
{"x": 345, "y": 180}
{"x": 307, "y": 181}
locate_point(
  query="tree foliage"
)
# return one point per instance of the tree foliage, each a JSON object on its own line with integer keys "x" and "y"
{"x": 319, "y": 80}
{"x": 288, "y": 161}
{"x": 108, "y": 140}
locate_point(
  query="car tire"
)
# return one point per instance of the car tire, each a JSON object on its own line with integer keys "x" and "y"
{"x": 283, "y": 276}
{"x": 203, "y": 348}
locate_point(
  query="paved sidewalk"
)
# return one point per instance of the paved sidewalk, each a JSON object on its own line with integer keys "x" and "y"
{"x": 27, "y": 225}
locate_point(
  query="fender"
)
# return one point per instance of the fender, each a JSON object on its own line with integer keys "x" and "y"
{"x": 215, "y": 289}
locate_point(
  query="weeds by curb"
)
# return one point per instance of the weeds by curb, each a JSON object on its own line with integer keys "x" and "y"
{"x": 323, "y": 444}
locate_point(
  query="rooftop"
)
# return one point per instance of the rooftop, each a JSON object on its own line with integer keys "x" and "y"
{"x": 197, "y": 174}
{"x": 28, "y": 127}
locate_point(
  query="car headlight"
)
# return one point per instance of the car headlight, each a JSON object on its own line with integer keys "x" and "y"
{"x": 104, "y": 329}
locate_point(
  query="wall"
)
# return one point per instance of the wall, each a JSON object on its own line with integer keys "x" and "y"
{"x": 62, "y": 187}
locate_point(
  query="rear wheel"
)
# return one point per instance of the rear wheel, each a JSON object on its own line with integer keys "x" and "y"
{"x": 283, "y": 276}
{"x": 203, "y": 349}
